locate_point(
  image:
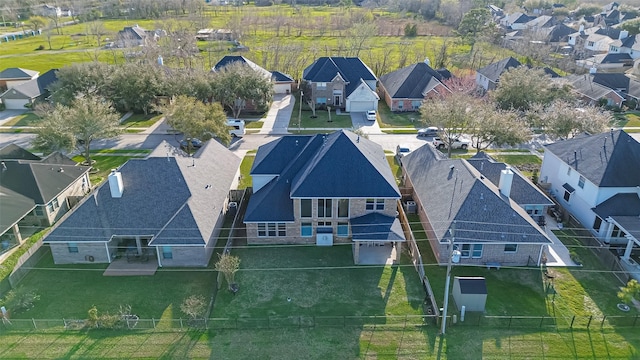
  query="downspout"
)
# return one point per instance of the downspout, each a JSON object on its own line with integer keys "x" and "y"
{"x": 106, "y": 246}
{"x": 158, "y": 253}
{"x": 540, "y": 255}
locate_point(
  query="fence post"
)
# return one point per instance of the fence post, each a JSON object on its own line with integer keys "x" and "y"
{"x": 34, "y": 323}
{"x": 541, "y": 321}
{"x": 154, "y": 322}
{"x": 602, "y": 323}
{"x": 180, "y": 323}
{"x": 589, "y": 323}
{"x": 510, "y": 318}
{"x": 572, "y": 320}
{"x": 634, "y": 321}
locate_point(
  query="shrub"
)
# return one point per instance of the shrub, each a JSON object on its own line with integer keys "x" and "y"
{"x": 41, "y": 47}
{"x": 19, "y": 299}
{"x": 194, "y": 306}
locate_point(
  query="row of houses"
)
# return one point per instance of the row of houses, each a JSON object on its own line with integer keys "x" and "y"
{"x": 330, "y": 189}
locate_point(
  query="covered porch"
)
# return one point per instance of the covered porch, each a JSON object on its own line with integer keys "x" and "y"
{"x": 130, "y": 256}
{"x": 630, "y": 225}
{"x": 377, "y": 239}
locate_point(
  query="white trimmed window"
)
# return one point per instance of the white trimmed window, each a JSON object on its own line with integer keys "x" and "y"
{"x": 511, "y": 248}
{"x": 73, "y": 247}
{"x": 375, "y": 204}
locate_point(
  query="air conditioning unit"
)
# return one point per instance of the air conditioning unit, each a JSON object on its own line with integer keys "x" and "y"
{"x": 411, "y": 207}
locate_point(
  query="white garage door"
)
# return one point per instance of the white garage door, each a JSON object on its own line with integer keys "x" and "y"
{"x": 15, "y": 104}
{"x": 282, "y": 88}
{"x": 361, "y": 106}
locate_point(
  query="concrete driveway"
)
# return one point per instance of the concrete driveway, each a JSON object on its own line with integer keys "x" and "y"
{"x": 7, "y": 115}
{"x": 359, "y": 121}
{"x": 279, "y": 115}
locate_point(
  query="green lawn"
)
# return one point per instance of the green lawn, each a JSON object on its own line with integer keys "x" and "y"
{"x": 245, "y": 169}
{"x": 320, "y": 281}
{"x": 254, "y": 124}
{"x": 141, "y": 120}
{"x": 59, "y": 287}
{"x": 627, "y": 119}
{"x": 121, "y": 151}
{"x": 103, "y": 165}
{"x": 26, "y": 119}
{"x": 397, "y": 119}
{"x": 322, "y": 119}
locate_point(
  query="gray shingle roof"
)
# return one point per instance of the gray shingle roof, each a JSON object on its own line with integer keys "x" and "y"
{"x": 340, "y": 164}
{"x": 17, "y": 73}
{"x": 13, "y": 207}
{"x": 41, "y": 182}
{"x": 230, "y": 59}
{"x": 472, "y": 285}
{"x": 36, "y": 87}
{"x": 523, "y": 191}
{"x": 585, "y": 85}
{"x": 622, "y": 204}
{"x": 630, "y": 224}
{"x": 610, "y": 159}
{"x": 277, "y": 76}
{"x": 453, "y": 190}
{"x": 495, "y": 70}
{"x": 15, "y": 152}
{"x": 376, "y": 227}
{"x": 165, "y": 196}
{"x": 411, "y": 82}
{"x": 351, "y": 69}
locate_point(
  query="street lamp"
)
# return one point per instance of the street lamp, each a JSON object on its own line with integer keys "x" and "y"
{"x": 454, "y": 257}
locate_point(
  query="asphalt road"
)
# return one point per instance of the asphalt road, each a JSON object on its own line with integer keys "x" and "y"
{"x": 241, "y": 145}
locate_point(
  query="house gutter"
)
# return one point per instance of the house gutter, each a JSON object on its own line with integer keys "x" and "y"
{"x": 158, "y": 257}
{"x": 540, "y": 256}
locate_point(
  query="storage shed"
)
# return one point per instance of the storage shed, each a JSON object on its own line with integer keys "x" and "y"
{"x": 470, "y": 292}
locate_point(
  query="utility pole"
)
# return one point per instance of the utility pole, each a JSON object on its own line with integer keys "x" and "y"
{"x": 454, "y": 256}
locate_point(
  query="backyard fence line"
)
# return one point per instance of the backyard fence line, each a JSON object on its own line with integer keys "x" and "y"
{"x": 416, "y": 258}
{"x": 391, "y": 322}
{"x": 27, "y": 261}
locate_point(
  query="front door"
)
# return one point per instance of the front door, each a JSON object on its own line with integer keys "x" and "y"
{"x": 336, "y": 100}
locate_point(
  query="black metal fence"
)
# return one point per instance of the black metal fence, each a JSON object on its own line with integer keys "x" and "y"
{"x": 305, "y": 321}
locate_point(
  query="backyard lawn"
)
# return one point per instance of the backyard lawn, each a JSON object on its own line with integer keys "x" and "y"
{"x": 245, "y": 169}
{"x": 59, "y": 287}
{"x": 319, "y": 281}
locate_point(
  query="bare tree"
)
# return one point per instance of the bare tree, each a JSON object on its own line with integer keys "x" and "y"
{"x": 359, "y": 35}
{"x": 97, "y": 29}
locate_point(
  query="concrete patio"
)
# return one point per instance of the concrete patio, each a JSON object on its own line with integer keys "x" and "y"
{"x": 122, "y": 267}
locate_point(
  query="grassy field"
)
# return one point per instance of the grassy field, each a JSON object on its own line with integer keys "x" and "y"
{"x": 141, "y": 120}
{"x": 26, "y": 119}
{"x": 245, "y": 168}
{"x": 104, "y": 164}
{"x": 148, "y": 295}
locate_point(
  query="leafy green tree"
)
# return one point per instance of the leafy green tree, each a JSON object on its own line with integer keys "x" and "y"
{"x": 519, "y": 88}
{"x": 474, "y": 22}
{"x": 410, "y": 30}
{"x": 563, "y": 119}
{"x": 496, "y": 127}
{"x": 452, "y": 113}
{"x": 81, "y": 79}
{"x": 237, "y": 83}
{"x": 196, "y": 119}
{"x": 78, "y": 125}
{"x": 633, "y": 27}
{"x": 135, "y": 86}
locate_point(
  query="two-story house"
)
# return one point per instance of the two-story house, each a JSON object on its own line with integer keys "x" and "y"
{"x": 488, "y": 76}
{"x": 325, "y": 189}
{"x": 488, "y": 210}
{"x": 342, "y": 82}
{"x": 35, "y": 192}
{"x": 596, "y": 178}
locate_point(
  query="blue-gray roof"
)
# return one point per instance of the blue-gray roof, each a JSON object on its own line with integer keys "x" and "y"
{"x": 622, "y": 204}
{"x": 411, "y": 82}
{"x": 165, "y": 196}
{"x": 351, "y": 69}
{"x": 610, "y": 159}
{"x": 230, "y": 59}
{"x": 17, "y": 73}
{"x": 617, "y": 58}
{"x": 523, "y": 191}
{"x": 376, "y": 227}
{"x": 453, "y": 190}
{"x": 277, "y": 76}
{"x": 494, "y": 71}
{"x": 36, "y": 87}
{"x": 338, "y": 165}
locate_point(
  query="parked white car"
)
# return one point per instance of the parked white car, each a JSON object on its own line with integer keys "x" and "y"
{"x": 371, "y": 115}
{"x": 456, "y": 143}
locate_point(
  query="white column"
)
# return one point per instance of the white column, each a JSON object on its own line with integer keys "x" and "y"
{"x": 106, "y": 246}
{"x": 607, "y": 236}
{"x": 356, "y": 253}
{"x": 139, "y": 245}
{"x": 627, "y": 250}
{"x": 158, "y": 253}
{"x": 398, "y": 251}
{"x": 16, "y": 233}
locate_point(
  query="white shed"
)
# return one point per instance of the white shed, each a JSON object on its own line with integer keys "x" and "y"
{"x": 470, "y": 292}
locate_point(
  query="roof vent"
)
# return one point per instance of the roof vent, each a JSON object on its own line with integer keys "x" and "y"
{"x": 61, "y": 170}
{"x": 451, "y": 167}
{"x": 4, "y": 166}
